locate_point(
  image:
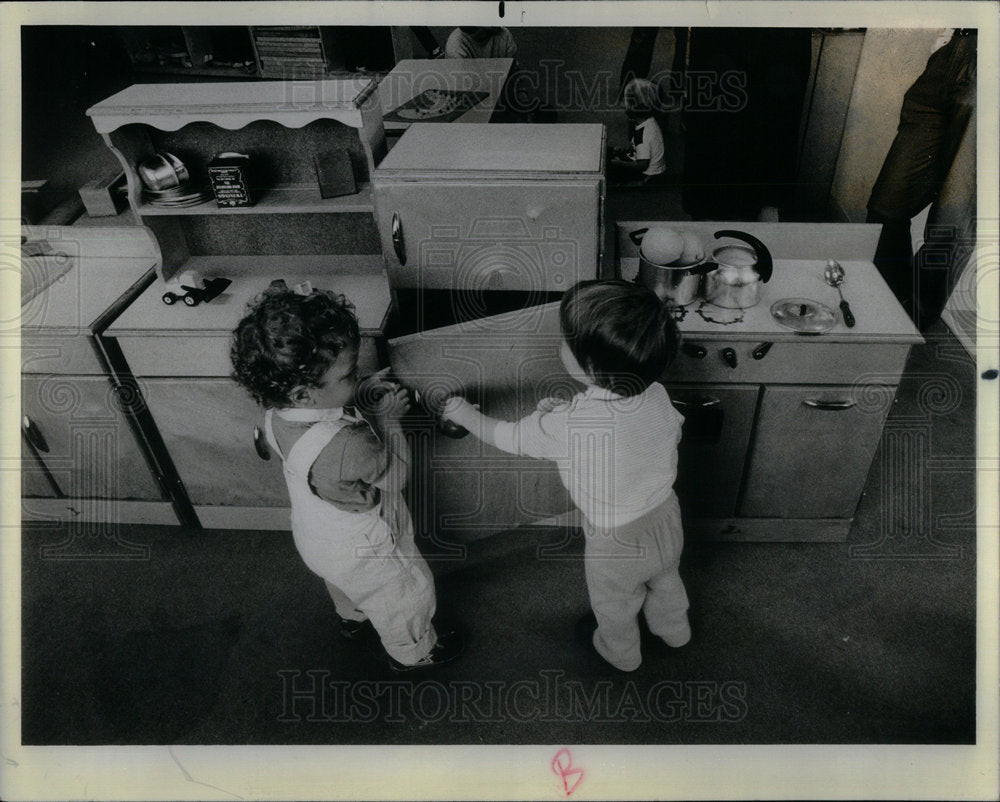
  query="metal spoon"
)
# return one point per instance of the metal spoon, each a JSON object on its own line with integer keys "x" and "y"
{"x": 834, "y": 275}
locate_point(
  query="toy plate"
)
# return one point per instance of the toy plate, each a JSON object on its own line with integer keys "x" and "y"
{"x": 804, "y": 315}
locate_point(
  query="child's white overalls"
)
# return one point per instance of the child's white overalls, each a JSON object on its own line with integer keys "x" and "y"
{"x": 369, "y": 559}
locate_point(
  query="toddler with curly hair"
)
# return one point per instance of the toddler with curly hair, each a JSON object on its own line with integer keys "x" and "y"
{"x": 297, "y": 355}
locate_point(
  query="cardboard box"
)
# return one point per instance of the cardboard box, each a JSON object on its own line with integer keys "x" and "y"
{"x": 229, "y": 174}
{"x": 104, "y": 197}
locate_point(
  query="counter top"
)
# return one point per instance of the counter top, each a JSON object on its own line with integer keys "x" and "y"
{"x": 495, "y": 148}
{"x": 800, "y": 252}
{"x": 411, "y": 77}
{"x": 361, "y": 279}
{"x": 84, "y": 272}
{"x": 879, "y": 316}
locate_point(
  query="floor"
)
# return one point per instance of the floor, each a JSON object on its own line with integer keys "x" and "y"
{"x": 223, "y": 637}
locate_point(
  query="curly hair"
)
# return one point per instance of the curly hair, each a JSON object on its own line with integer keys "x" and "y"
{"x": 621, "y": 333}
{"x": 287, "y": 341}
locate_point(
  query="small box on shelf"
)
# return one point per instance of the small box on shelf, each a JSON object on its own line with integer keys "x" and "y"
{"x": 230, "y": 175}
{"x": 105, "y": 196}
{"x": 335, "y": 173}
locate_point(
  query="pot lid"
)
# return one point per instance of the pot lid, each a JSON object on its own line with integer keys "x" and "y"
{"x": 804, "y": 315}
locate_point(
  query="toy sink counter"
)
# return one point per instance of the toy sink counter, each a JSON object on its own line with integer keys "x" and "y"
{"x": 78, "y": 276}
{"x": 162, "y": 340}
{"x": 82, "y": 457}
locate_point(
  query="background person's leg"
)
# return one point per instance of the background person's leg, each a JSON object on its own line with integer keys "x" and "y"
{"x": 915, "y": 168}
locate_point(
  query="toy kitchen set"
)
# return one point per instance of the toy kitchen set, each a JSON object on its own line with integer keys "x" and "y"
{"x": 455, "y": 246}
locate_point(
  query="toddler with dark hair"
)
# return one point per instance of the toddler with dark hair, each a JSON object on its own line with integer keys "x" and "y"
{"x": 615, "y": 445}
{"x": 297, "y": 355}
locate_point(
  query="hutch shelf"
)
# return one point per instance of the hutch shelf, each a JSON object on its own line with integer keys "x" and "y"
{"x": 179, "y": 355}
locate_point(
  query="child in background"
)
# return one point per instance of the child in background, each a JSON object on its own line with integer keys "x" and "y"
{"x": 516, "y": 103}
{"x": 297, "y": 355}
{"x": 645, "y": 160}
{"x": 615, "y": 445}
{"x": 476, "y": 42}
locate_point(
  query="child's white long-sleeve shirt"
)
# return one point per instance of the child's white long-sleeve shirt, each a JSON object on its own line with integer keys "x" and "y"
{"x": 617, "y": 456}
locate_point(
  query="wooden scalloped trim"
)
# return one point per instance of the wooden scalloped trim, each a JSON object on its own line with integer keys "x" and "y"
{"x": 174, "y": 121}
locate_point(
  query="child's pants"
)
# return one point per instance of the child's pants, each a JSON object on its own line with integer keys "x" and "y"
{"x": 630, "y": 568}
{"x": 394, "y": 590}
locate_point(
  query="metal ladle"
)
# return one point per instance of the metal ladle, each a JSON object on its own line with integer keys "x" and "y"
{"x": 834, "y": 275}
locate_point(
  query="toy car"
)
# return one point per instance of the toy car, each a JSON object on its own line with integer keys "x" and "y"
{"x": 192, "y": 289}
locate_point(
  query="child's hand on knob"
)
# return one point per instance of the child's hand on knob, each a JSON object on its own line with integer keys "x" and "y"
{"x": 456, "y": 407}
{"x": 382, "y": 397}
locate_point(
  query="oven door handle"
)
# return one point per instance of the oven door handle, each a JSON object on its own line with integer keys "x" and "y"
{"x": 833, "y": 406}
{"x": 34, "y": 435}
{"x": 398, "y": 242}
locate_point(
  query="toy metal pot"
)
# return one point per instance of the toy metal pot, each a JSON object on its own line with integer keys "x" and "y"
{"x": 735, "y": 272}
{"x": 675, "y": 284}
{"x": 163, "y": 171}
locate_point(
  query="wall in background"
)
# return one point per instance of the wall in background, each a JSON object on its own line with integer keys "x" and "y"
{"x": 891, "y": 60}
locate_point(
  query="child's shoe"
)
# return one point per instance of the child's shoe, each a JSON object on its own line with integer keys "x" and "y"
{"x": 678, "y": 638}
{"x": 584, "y": 630}
{"x": 350, "y": 629}
{"x": 449, "y": 646}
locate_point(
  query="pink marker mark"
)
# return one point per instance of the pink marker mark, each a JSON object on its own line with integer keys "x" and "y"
{"x": 562, "y": 764}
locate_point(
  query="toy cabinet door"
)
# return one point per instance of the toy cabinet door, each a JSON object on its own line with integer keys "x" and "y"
{"x": 461, "y": 489}
{"x": 717, "y": 424}
{"x": 87, "y": 444}
{"x": 812, "y": 450}
{"x": 207, "y": 426}
{"x": 536, "y": 236}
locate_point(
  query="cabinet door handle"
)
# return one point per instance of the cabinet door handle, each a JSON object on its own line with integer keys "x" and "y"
{"x": 34, "y": 435}
{"x": 817, "y": 403}
{"x": 704, "y": 402}
{"x": 398, "y": 243}
{"x": 260, "y": 445}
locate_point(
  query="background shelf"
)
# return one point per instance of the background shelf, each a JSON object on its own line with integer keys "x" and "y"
{"x": 289, "y": 199}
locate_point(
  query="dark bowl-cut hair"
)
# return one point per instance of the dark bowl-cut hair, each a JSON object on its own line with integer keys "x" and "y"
{"x": 621, "y": 333}
{"x": 287, "y": 341}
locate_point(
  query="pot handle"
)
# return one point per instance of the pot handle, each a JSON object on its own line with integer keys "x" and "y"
{"x": 636, "y": 236}
{"x": 765, "y": 265}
